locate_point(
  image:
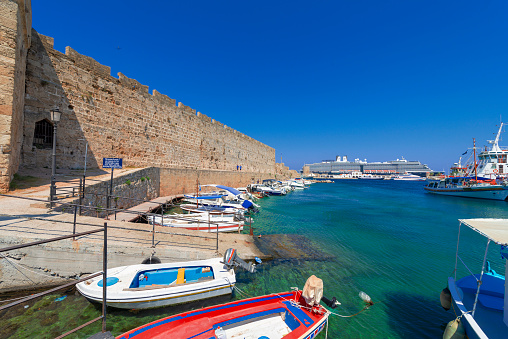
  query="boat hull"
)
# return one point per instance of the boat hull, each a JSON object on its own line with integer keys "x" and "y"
{"x": 472, "y": 329}
{"x": 166, "y": 298}
{"x": 273, "y": 316}
{"x": 480, "y": 193}
{"x": 149, "y": 286}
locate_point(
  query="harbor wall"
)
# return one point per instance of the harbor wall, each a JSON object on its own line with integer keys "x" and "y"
{"x": 114, "y": 116}
{"x": 175, "y": 181}
{"x": 15, "y": 37}
{"x": 128, "y": 189}
{"x": 118, "y": 117}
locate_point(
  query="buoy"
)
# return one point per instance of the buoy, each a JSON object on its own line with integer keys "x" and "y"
{"x": 454, "y": 330}
{"x": 446, "y": 298}
{"x": 151, "y": 260}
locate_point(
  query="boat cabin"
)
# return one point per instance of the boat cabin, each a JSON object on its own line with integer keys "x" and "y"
{"x": 171, "y": 276}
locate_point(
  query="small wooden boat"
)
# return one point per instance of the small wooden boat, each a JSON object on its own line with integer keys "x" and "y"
{"x": 283, "y": 315}
{"x": 146, "y": 286}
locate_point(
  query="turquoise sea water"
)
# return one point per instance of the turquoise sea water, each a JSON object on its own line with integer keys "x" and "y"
{"x": 387, "y": 238}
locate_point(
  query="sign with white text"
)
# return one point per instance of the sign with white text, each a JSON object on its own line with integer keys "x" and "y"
{"x": 111, "y": 162}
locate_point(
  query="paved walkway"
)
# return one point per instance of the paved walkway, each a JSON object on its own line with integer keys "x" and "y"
{"x": 24, "y": 221}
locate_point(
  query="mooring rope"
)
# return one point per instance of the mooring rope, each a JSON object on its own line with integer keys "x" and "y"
{"x": 25, "y": 268}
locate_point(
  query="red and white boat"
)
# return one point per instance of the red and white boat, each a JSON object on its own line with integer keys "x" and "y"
{"x": 283, "y": 315}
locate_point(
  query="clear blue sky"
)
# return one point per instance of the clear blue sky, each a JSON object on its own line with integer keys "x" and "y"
{"x": 312, "y": 79}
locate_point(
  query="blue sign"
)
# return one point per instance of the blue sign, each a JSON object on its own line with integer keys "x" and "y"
{"x": 111, "y": 162}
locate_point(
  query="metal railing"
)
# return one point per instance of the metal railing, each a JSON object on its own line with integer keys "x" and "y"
{"x": 103, "y": 273}
{"x": 75, "y": 207}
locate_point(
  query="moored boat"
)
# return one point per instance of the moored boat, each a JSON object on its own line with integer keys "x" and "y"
{"x": 408, "y": 177}
{"x": 467, "y": 187}
{"x": 155, "y": 285}
{"x": 199, "y": 222}
{"x": 478, "y": 299}
{"x": 288, "y": 315}
{"x": 492, "y": 163}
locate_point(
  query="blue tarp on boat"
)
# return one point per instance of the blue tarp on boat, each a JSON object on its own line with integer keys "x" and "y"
{"x": 229, "y": 189}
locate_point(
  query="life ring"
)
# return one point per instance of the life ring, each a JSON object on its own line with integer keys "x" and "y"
{"x": 496, "y": 171}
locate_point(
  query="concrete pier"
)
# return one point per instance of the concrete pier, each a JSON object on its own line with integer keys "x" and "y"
{"x": 24, "y": 221}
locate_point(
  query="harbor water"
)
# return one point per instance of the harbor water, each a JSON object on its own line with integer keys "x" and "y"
{"x": 389, "y": 239}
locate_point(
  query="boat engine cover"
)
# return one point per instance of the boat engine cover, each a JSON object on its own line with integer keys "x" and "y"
{"x": 246, "y": 204}
{"x": 313, "y": 290}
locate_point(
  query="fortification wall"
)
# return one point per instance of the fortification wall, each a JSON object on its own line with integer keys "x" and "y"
{"x": 175, "y": 181}
{"x": 129, "y": 190}
{"x": 15, "y": 30}
{"x": 119, "y": 118}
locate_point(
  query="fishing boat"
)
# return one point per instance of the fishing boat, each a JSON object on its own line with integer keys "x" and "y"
{"x": 288, "y": 315}
{"x": 492, "y": 163}
{"x": 468, "y": 187}
{"x": 478, "y": 299}
{"x": 473, "y": 186}
{"x": 155, "y": 285}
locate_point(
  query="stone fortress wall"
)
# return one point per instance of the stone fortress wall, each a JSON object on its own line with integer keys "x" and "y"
{"x": 117, "y": 117}
{"x": 15, "y": 37}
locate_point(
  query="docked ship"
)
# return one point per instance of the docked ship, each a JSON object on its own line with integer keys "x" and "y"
{"x": 342, "y": 167}
{"x": 482, "y": 179}
{"x": 491, "y": 162}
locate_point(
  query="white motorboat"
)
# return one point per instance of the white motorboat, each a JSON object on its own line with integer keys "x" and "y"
{"x": 261, "y": 188}
{"x": 147, "y": 286}
{"x": 210, "y": 209}
{"x": 478, "y": 299}
{"x": 204, "y": 222}
{"x": 408, "y": 177}
{"x": 229, "y": 198}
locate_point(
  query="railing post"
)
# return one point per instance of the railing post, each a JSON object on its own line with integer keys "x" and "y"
{"x": 52, "y": 192}
{"x": 104, "y": 276}
{"x": 80, "y": 195}
{"x": 74, "y": 224}
{"x": 107, "y": 196}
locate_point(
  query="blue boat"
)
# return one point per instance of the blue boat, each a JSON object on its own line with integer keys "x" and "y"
{"x": 478, "y": 299}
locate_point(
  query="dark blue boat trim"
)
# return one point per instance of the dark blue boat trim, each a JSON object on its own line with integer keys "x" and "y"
{"x": 196, "y": 313}
{"x": 317, "y": 330}
{"x": 298, "y": 313}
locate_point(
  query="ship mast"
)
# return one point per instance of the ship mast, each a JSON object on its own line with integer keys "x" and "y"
{"x": 474, "y": 156}
{"x": 495, "y": 146}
